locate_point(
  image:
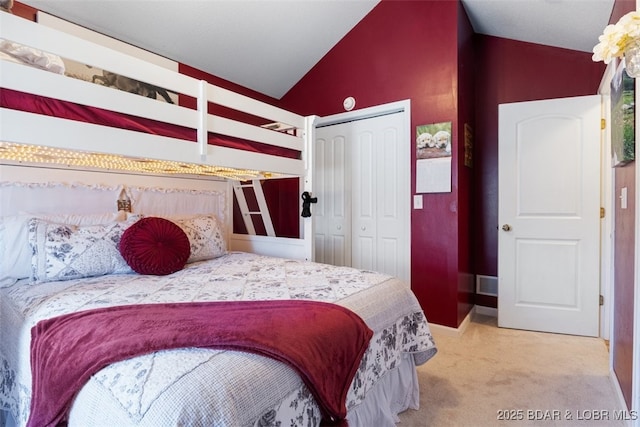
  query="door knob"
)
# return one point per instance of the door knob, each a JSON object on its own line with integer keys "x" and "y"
{"x": 506, "y": 227}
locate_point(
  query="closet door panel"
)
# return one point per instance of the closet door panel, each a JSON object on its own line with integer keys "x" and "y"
{"x": 389, "y": 223}
{"x": 364, "y": 187}
{"x": 332, "y": 213}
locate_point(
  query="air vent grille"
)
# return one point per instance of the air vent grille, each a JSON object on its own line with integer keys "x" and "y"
{"x": 487, "y": 285}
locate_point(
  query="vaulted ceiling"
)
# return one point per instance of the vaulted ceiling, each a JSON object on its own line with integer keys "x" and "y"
{"x": 269, "y": 45}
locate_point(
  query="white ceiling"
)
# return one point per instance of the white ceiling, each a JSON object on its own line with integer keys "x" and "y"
{"x": 269, "y": 45}
{"x": 570, "y": 24}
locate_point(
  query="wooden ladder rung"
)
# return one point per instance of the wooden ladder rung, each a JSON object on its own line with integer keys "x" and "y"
{"x": 263, "y": 211}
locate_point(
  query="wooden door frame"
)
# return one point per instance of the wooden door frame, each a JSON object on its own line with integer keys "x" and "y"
{"x": 404, "y": 107}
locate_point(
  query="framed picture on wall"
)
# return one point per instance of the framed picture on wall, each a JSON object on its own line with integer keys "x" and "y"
{"x": 433, "y": 158}
{"x": 623, "y": 116}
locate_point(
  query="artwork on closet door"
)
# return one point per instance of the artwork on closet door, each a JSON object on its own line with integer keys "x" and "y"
{"x": 433, "y": 158}
{"x": 622, "y": 118}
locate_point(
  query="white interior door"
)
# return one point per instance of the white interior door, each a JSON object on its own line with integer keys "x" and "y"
{"x": 549, "y": 215}
{"x": 361, "y": 178}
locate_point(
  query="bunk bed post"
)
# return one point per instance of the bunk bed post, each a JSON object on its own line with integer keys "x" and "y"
{"x": 307, "y": 228}
{"x": 202, "y": 118}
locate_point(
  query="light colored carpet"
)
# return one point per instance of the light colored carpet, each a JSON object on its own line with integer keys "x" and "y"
{"x": 537, "y": 378}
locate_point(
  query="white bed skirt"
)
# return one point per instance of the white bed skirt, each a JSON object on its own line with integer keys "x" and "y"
{"x": 6, "y": 420}
{"x": 396, "y": 392}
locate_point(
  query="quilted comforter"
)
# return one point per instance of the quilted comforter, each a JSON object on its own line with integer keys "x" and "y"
{"x": 195, "y": 386}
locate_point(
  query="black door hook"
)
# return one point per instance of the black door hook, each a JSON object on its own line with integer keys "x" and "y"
{"x": 306, "y": 204}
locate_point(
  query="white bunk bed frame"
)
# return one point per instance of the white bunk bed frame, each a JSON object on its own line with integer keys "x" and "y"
{"x": 18, "y": 127}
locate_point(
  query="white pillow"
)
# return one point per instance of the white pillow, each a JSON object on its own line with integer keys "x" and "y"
{"x": 33, "y": 56}
{"x": 65, "y": 252}
{"x": 206, "y": 237}
{"x": 15, "y": 252}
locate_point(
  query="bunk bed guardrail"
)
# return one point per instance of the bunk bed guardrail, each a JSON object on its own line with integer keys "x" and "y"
{"x": 22, "y": 127}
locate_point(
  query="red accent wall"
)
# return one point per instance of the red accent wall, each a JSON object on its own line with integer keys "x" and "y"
{"x": 409, "y": 50}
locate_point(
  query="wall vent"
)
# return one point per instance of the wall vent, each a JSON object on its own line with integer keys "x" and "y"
{"x": 487, "y": 285}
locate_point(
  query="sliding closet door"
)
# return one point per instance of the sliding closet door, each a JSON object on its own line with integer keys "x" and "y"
{"x": 362, "y": 183}
{"x": 332, "y": 213}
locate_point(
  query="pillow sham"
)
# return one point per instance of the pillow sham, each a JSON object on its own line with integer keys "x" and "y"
{"x": 206, "y": 237}
{"x": 155, "y": 246}
{"x": 15, "y": 251}
{"x": 65, "y": 252}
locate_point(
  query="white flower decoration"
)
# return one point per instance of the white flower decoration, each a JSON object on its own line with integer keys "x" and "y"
{"x": 616, "y": 38}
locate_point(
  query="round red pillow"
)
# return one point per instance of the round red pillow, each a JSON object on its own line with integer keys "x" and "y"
{"x": 155, "y": 246}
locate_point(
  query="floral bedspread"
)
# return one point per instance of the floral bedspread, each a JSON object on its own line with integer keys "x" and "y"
{"x": 214, "y": 387}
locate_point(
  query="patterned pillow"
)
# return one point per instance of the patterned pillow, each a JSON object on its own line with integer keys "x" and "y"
{"x": 15, "y": 251}
{"x": 155, "y": 246}
{"x": 205, "y": 236}
{"x": 65, "y": 252}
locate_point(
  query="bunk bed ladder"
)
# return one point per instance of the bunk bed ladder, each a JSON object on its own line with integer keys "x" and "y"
{"x": 263, "y": 211}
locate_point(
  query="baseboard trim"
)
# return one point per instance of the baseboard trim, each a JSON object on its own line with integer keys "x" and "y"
{"x": 618, "y": 391}
{"x": 456, "y": 332}
{"x": 450, "y": 331}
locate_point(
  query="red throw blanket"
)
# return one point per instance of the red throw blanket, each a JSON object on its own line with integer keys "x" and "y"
{"x": 323, "y": 342}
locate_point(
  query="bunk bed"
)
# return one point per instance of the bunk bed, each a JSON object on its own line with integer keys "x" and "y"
{"x": 80, "y": 195}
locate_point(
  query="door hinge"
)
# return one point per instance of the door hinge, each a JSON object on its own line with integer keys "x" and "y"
{"x": 603, "y": 123}
{"x": 601, "y": 299}
{"x": 602, "y": 212}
